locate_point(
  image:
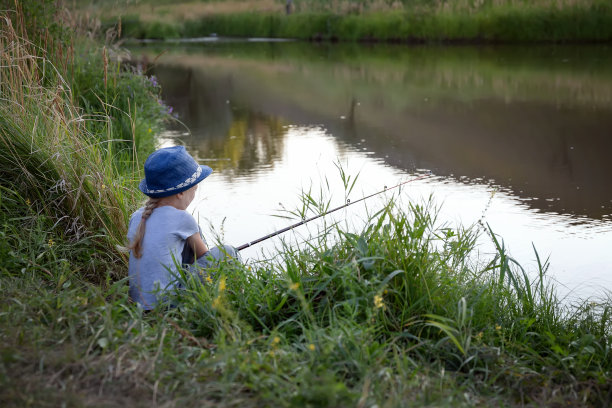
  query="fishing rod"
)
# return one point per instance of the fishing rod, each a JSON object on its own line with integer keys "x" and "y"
{"x": 348, "y": 202}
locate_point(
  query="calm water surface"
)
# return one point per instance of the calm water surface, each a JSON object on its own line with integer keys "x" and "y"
{"x": 520, "y": 138}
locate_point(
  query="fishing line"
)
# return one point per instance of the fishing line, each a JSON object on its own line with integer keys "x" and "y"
{"x": 481, "y": 220}
{"x": 348, "y": 202}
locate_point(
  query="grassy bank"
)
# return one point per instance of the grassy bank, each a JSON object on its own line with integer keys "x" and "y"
{"x": 455, "y": 21}
{"x": 401, "y": 312}
{"x": 393, "y": 315}
{"x": 73, "y": 124}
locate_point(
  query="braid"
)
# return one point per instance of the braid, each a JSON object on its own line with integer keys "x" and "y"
{"x": 136, "y": 245}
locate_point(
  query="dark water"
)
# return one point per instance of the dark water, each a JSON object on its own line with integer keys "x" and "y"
{"x": 518, "y": 137}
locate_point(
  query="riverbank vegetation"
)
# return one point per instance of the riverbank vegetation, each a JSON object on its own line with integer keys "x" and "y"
{"x": 451, "y": 21}
{"x": 399, "y": 312}
{"x": 73, "y": 124}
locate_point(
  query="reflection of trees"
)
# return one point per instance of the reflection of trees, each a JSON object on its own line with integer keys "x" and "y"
{"x": 252, "y": 140}
{"x": 540, "y": 129}
{"x": 227, "y": 136}
{"x": 198, "y": 102}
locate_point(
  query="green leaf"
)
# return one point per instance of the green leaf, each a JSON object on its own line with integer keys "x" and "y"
{"x": 102, "y": 342}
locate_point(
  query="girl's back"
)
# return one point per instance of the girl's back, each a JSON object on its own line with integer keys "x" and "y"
{"x": 167, "y": 230}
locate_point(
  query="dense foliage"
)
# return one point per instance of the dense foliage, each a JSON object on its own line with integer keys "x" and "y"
{"x": 432, "y": 21}
{"x": 71, "y": 127}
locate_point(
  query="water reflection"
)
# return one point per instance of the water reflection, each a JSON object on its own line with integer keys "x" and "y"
{"x": 532, "y": 126}
{"x": 235, "y": 137}
{"x": 537, "y": 123}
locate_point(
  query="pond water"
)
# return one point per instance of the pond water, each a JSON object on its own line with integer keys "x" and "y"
{"x": 517, "y": 137}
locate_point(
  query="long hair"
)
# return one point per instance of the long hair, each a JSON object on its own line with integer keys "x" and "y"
{"x": 136, "y": 245}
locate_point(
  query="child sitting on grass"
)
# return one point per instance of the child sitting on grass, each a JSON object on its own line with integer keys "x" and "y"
{"x": 162, "y": 232}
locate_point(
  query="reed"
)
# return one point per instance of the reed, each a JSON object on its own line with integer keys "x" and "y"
{"x": 504, "y": 21}
{"x": 72, "y": 163}
{"x": 504, "y": 25}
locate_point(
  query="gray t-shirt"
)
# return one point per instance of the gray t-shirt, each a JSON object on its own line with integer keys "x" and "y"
{"x": 166, "y": 231}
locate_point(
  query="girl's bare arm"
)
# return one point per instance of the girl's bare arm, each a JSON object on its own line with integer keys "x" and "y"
{"x": 197, "y": 244}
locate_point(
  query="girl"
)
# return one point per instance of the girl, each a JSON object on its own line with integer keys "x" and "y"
{"x": 162, "y": 232}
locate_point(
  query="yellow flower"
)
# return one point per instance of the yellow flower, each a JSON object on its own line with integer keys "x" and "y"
{"x": 150, "y": 130}
{"x": 294, "y": 286}
{"x": 385, "y": 291}
{"x": 311, "y": 347}
{"x": 51, "y": 242}
{"x": 103, "y": 186}
{"x": 497, "y": 327}
{"x": 28, "y": 202}
{"x": 275, "y": 340}
{"x": 208, "y": 279}
{"x": 222, "y": 284}
{"x": 378, "y": 302}
{"x": 479, "y": 336}
{"x": 216, "y": 303}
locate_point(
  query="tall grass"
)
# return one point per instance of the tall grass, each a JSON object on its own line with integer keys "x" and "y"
{"x": 394, "y": 313}
{"x": 69, "y": 154}
{"x": 456, "y": 6}
{"x": 498, "y": 25}
{"x": 405, "y": 295}
{"x": 500, "y": 21}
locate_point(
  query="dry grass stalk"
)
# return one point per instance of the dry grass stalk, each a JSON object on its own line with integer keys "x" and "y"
{"x": 47, "y": 153}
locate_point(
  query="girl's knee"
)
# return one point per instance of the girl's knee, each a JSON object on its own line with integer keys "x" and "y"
{"x": 217, "y": 254}
{"x": 232, "y": 252}
{"x": 224, "y": 252}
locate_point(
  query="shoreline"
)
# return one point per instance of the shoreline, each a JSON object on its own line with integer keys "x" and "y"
{"x": 509, "y": 26}
{"x": 365, "y": 41}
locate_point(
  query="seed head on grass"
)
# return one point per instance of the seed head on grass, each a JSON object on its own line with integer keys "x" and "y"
{"x": 216, "y": 303}
{"x": 378, "y": 302}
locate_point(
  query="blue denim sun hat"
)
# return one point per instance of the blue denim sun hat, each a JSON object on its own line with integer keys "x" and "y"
{"x": 169, "y": 171}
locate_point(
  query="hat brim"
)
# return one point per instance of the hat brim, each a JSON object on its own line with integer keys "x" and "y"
{"x": 206, "y": 171}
